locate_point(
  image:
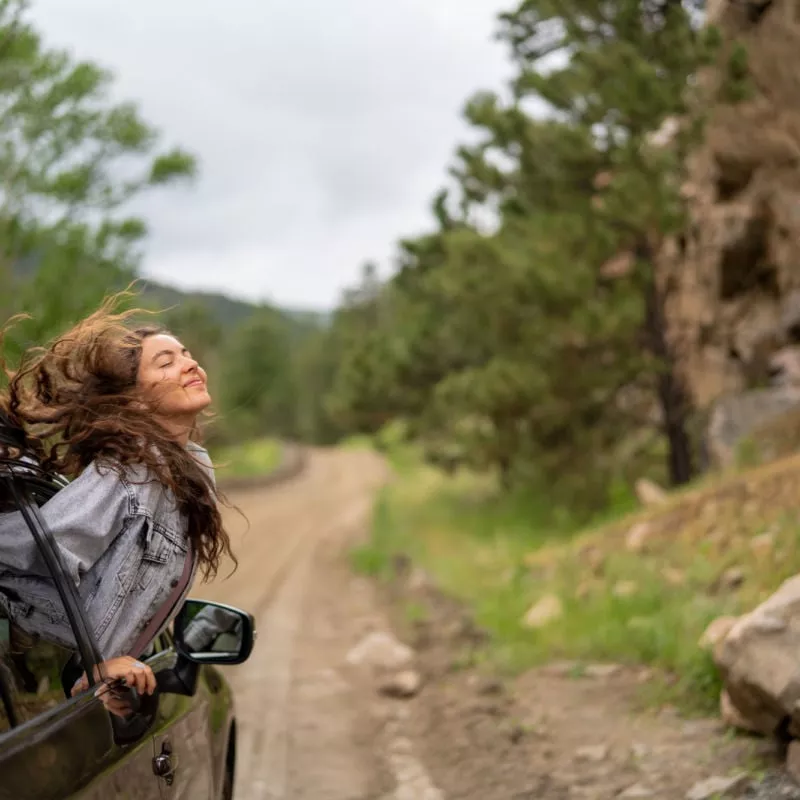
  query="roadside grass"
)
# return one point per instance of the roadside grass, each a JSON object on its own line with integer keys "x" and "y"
{"x": 248, "y": 459}
{"x": 501, "y": 555}
{"x": 358, "y": 442}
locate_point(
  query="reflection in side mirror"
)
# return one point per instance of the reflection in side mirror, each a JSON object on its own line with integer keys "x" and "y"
{"x": 212, "y": 633}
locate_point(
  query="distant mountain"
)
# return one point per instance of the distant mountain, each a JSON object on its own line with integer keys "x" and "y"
{"x": 227, "y": 311}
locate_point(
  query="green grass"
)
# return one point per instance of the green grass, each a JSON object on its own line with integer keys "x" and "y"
{"x": 249, "y": 459}
{"x": 359, "y": 442}
{"x": 501, "y": 554}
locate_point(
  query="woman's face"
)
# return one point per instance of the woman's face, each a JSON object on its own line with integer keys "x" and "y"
{"x": 171, "y": 380}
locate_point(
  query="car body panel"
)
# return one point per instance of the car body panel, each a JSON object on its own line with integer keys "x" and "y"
{"x": 70, "y": 752}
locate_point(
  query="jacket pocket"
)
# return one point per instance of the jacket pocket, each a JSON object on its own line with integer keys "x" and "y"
{"x": 160, "y": 551}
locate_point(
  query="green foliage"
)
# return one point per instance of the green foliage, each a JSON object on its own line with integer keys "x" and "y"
{"x": 737, "y": 85}
{"x": 72, "y": 160}
{"x": 256, "y": 390}
{"x": 747, "y": 454}
{"x": 509, "y": 347}
{"x": 374, "y": 558}
{"x": 247, "y": 459}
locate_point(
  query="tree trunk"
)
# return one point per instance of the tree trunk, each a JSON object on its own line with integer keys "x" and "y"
{"x": 669, "y": 388}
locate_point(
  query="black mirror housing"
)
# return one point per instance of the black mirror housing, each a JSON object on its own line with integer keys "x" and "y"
{"x": 213, "y": 633}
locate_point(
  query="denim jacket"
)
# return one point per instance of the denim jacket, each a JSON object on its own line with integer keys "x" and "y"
{"x": 123, "y": 542}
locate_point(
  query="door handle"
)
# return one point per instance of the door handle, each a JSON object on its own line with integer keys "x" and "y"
{"x": 162, "y": 765}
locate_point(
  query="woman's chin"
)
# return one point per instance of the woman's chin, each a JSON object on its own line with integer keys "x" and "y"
{"x": 197, "y": 400}
{"x": 189, "y": 407}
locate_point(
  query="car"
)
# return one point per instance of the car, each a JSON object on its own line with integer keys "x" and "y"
{"x": 179, "y": 742}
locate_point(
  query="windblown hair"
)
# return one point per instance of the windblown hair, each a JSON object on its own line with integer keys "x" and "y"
{"x": 77, "y": 401}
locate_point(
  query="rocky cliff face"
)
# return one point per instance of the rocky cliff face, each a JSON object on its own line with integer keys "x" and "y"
{"x": 734, "y": 303}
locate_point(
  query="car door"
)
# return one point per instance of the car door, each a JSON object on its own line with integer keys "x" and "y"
{"x": 183, "y": 735}
{"x": 54, "y": 746}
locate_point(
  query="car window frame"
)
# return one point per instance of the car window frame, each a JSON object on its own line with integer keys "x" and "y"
{"x": 28, "y": 485}
{"x": 15, "y": 480}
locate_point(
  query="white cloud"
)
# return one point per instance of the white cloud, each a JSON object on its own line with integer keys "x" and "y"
{"x": 323, "y": 130}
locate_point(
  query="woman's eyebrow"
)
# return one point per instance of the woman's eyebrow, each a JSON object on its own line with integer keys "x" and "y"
{"x": 170, "y": 352}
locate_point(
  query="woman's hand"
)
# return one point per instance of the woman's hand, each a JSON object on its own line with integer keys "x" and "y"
{"x": 126, "y": 669}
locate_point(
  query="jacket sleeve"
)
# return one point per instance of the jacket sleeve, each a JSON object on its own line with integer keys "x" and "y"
{"x": 84, "y": 517}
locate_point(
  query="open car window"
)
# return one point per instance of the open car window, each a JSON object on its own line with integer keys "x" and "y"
{"x": 30, "y": 673}
{"x": 33, "y": 621}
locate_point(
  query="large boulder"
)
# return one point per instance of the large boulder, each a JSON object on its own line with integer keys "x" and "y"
{"x": 737, "y": 417}
{"x": 759, "y": 660}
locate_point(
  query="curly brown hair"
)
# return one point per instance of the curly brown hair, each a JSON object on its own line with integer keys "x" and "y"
{"x": 77, "y": 402}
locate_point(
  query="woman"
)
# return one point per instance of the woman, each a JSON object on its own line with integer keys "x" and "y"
{"x": 115, "y": 407}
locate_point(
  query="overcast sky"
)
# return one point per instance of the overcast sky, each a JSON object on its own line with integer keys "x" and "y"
{"x": 323, "y": 129}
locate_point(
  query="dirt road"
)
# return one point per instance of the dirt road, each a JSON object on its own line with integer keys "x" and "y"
{"x": 308, "y": 730}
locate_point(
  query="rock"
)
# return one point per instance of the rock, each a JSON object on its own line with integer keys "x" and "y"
{"x": 701, "y": 728}
{"x": 592, "y": 752}
{"x": 636, "y": 791}
{"x": 735, "y": 417}
{"x": 716, "y": 632}
{"x": 650, "y": 493}
{"x": 545, "y": 611}
{"x": 732, "y": 717}
{"x": 758, "y": 660}
{"x": 562, "y": 669}
{"x": 624, "y": 588}
{"x": 401, "y": 685}
{"x": 636, "y": 539}
{"x": 774, "y": 786}
{"x": 784, "y": 366}
{"x": 381, "y": 651}
{"x": 601, "y": 670}
{"x": 731, "y": 579}
{"x": 717, "y": 786}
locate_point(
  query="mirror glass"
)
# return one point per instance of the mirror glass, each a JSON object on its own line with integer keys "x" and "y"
{"x": 212, "y": 632}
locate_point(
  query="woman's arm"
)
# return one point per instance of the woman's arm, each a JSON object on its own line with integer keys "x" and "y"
{"x": 84, "y": 517}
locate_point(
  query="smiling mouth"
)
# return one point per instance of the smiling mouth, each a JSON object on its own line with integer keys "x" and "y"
{"x": 196, "y": 382}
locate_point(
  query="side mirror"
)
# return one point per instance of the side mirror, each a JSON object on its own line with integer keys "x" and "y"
{"x": 212, "y": 633}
